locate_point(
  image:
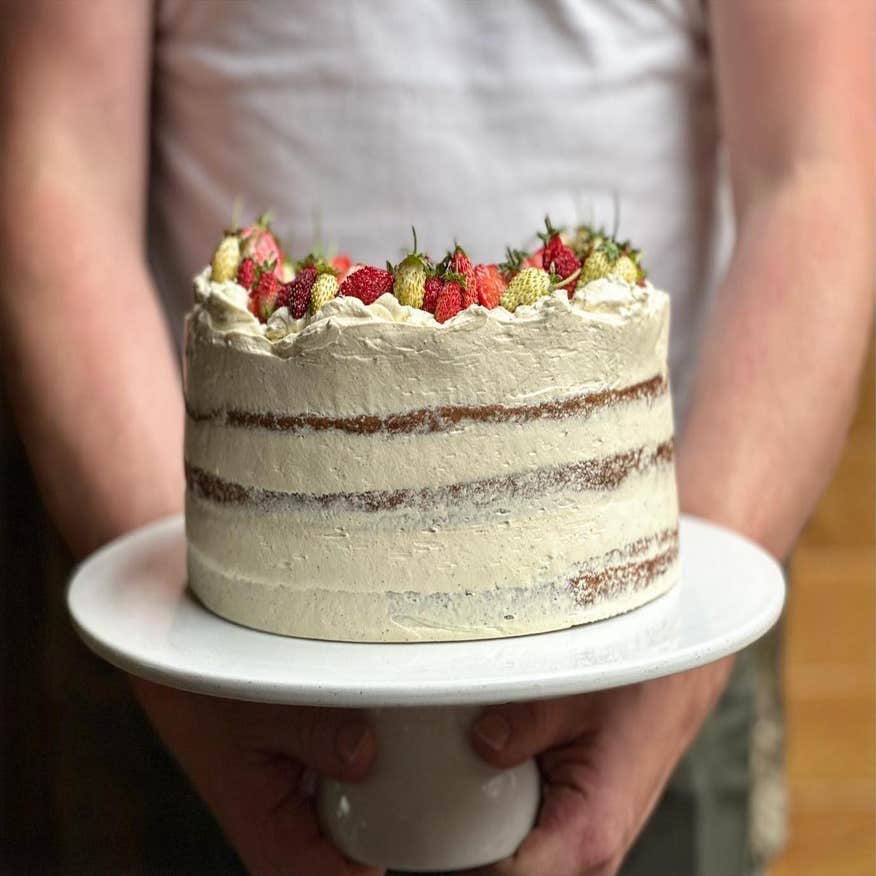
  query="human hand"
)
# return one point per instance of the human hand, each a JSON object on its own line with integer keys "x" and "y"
{"x": 255, "y": 766}
{"x": 604, "y": 758}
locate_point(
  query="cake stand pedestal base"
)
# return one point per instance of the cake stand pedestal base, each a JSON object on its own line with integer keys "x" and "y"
{"x": 429, "y": 804}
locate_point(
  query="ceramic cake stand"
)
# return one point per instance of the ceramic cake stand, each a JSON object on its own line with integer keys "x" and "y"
{"x": 429, "y": 803}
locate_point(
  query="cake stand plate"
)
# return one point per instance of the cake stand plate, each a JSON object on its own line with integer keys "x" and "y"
{"x": 130, "y": 604}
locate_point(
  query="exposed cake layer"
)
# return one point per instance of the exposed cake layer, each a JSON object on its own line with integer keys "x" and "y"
{"x": 482, "y": 496}
{"x": 611, "y": 584}
{"x": 447, "y": 542}
{"x": 439, "y": 419}
{"x": 302, "y": 459}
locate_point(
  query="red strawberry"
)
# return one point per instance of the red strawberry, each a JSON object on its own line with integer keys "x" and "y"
{"x": 258, "y": 242}
{"x": 296, "y": 295}
{"x": 490, "y": 285}
{"x": 536, "y": 260}
{"x": 469, "y": 293}
{"x": 367, "y": 284}
{"x": 449, "y": 301}
{"x": 557, "y": 257}
{"x": 431, "y": 291}
{"x": 341, "y": 263}
{"x": 246, "y": 273}
{"x": 459, "y": 263}
{"x": 563, "y": 262}
{"x": 263, "y": 298}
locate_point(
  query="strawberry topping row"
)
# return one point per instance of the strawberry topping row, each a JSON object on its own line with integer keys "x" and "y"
{"x": 567, "y": 260}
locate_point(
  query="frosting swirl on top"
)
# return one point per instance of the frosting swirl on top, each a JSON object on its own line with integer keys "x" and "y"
{"x": 223, "y": 308}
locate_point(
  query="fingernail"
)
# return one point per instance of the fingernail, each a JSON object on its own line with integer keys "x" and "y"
{"x": 350, "y": 741}
{"x": 493, "y": 730}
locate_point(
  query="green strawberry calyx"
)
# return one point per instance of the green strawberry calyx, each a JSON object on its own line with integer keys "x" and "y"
{"x": 414, "y": 260}
{"x": 549, "y": 232}
{"x": 454, "y": 277}
{"x": 514, "y": 261}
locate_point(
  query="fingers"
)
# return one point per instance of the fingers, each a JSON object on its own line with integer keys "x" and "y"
{"x": 577, "y": 831}
{"x": 510, "y": 733}
{"x": 334, "y": 742}
{"x": 558, "y": 854}
{"x": 289, "y": 842}
{"x": 265, "y": 807}
{"x": 580, "y": 829}
{"x": 255, "y": 766}
{"x": 285, "y": 748}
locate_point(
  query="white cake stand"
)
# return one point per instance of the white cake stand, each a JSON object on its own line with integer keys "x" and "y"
{"x": 429, "y": 803}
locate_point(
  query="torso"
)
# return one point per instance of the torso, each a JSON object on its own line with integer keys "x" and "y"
{"x": 470, "y": 120}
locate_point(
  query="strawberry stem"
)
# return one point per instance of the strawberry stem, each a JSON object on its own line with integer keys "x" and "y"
{"x": 562, "y": 282}
{"x": 236, "y": 210}
{"x": 615, "y": 199}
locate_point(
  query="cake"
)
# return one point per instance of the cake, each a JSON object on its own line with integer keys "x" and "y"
{"x": 429, "y": 452}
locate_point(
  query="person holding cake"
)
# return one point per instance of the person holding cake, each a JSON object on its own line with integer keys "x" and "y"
{"x": 472, "y": 120}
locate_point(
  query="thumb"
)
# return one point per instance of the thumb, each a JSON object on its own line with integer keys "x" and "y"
{"x": 508, "y": 734}
{"x": 334, "y": 742}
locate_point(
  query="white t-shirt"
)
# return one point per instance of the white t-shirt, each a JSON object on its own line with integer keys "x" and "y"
{"x": 470, "y": 120}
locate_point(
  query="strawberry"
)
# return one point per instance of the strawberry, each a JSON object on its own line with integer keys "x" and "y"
{"x": 409, "y": 285}
{"x": 367, "y": 283}
{"x": 526, "y": 288}
{"x": 431, "y": 291}
{"x": 490, "y": 285}
{"x": 630, "y": 260}
{"x": 449, "y": 301}
{"x": 536, "y": 260}
{"x": 226, "y": 258}
{"x": 611, "y": 259}
{"x": 469, "y": 293}
{"x": 563, "y": 265}
{"x": 585, "y": 239}
{"x": 599, "y": 262}
{"x": 557, "y": 257}
{"x": 324, "y": 289}
{"x": 263, "y": 298}
{"x": 626, "y": 269}
{"x": 457, "y": 262}
{"x": 246, "y": 273}
{"x": 341, "y": 263}
{"x": 315, "y": 259}
{"x": 296, "y": 295}
{"x": 529, "y": 285}
{"x": 258, "y": 242}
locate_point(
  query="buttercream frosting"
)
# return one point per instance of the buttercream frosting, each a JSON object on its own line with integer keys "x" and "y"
{"x": 470, "y": 526}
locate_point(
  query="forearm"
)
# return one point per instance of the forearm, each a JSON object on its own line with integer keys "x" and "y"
{"x": 777, "y": 379}
{"x": 84, "y": 354}
{"x": 92, "y": 379}
{"x": 776, "y": 385}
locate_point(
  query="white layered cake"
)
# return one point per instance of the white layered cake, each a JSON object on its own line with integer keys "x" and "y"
{"x": 368, "y": 473}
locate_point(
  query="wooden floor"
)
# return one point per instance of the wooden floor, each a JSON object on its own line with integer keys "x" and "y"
{"x": 830, "y": 673}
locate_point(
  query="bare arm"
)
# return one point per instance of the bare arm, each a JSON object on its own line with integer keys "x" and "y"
{"x": 777, "y": 381}
{"x": 778, "y": 377}
{"x": 85, "y": 354}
